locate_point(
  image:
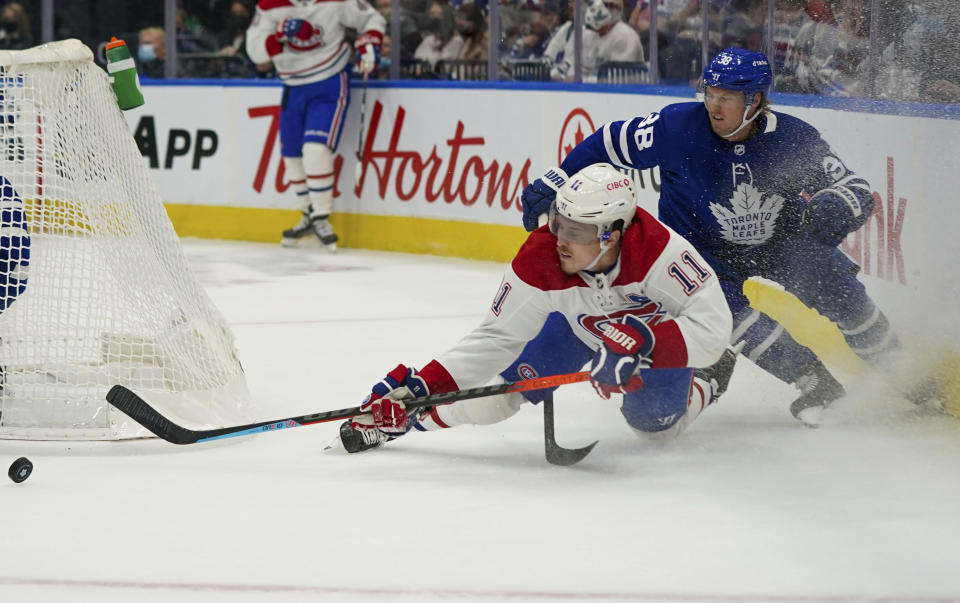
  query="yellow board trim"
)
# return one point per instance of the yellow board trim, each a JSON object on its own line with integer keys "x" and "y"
{"x": 365, "y": 231}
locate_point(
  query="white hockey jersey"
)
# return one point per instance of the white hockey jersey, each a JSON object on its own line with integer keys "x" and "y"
{"x": 659, "y": 278}
{"x": 322, "y": 56}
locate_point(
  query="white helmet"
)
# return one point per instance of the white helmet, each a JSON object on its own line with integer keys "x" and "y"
{"x": 598, "y": 194}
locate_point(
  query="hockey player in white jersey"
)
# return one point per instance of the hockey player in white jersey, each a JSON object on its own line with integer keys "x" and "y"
{"x": 305, "y": 41}
{"x": 604, "y": 285}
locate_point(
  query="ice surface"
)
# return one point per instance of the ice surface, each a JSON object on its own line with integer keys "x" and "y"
{"x": 747, "y": 505}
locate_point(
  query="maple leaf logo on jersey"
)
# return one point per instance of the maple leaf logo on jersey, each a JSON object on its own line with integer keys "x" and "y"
{"x": 751, "y": 218}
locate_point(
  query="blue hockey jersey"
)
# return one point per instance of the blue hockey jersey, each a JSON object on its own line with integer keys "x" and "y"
{"x": 732, "y": 200}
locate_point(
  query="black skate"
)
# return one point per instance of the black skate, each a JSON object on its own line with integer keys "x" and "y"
{"x": 818, "y": 388}
{"x": 718, "y": 374}
{"x": 324, "y": 231}
{"x": 302, "y": 229}
{"x": 358, "y": 440}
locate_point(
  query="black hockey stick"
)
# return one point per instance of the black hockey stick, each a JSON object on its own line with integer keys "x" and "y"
{"x": 137, "y": 409}
{"x": 555, "y": 453}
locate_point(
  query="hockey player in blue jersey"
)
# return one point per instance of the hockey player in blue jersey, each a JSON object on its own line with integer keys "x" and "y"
{"x": 758, "y": 193}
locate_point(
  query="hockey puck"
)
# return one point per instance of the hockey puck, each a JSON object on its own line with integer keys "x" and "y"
{"x": 20, "y": 469}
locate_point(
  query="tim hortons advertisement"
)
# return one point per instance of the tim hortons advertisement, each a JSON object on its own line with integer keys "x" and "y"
{"x": 465, "y": 155}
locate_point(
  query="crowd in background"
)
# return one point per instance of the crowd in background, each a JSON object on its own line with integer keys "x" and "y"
{"x": 823, "y": 47}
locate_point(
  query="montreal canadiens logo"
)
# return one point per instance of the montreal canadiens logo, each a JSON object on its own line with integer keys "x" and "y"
{"x": 576, "y": 127}
{"x": 526, "y": 371}
{"x": 650, "y": 313}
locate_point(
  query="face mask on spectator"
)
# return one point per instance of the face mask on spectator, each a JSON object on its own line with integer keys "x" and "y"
{"x": 466, "y": 29}
{"x": 146, "y": 53}
{"x": 433, "y": 25}
{"x": 237, "y": 24}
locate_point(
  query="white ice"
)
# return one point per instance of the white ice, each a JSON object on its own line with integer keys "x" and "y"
{"x": 747, "y": 505}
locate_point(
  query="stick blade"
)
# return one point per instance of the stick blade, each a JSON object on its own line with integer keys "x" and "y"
{"x": 564, "y": 457}
{"x": 137, "y": 409}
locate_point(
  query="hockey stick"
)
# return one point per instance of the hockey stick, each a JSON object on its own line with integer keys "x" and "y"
{"x": 555, "y": 453}
{"x": 137, "y": 409}
{"x": 358, "y": 171}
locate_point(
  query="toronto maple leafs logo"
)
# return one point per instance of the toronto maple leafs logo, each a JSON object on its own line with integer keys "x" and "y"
{"x": 751, "y": 218}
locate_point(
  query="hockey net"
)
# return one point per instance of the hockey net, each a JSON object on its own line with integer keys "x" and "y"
{"x": 107, "y": 296}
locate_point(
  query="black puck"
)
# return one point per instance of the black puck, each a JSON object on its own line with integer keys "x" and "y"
{"x": 20, "y": 469}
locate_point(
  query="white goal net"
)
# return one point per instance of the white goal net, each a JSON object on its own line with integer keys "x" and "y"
{"x": 94, "y": 288}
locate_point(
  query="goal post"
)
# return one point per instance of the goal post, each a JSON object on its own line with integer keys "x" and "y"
{"x": 94, "y": 284}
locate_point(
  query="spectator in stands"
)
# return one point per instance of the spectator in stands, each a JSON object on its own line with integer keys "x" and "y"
{"x": 787, "y": 22}
{"x": 151, "y": 52}
{"x": 830, "y": 53}
{"x": 531, "y": 42}
{"x": 921, "y": 64}
{"x": 472, "y": 27}
{"x": 191, "y": 35}
{"x": 234, "y": 32}
{"x": 678, "y": 35}
{"x": 605, "y": 38}
{"x": 441, "y": 42}
{"x": 14, "y": 27}
{"x": 743, "y": 25}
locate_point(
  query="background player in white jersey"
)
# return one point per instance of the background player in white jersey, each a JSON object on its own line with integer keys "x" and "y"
{"x": 605, "y": 285}
{"x": 305, "y": 41}
{"x": 758, "y": 193}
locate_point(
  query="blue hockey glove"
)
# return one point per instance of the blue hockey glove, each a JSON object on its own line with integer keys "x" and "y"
{"x": 833, "y": 213}
{"x": 626, "y": 349}
{"x": 539, "y": 194}
{"x": 296, "y": 28}
{"x": 385, "y": 402}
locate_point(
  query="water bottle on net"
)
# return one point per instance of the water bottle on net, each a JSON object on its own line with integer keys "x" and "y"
{"x": 123, "y": 75}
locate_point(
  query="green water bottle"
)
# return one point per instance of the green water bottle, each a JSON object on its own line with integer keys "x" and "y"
{"x": 123, "y": 75}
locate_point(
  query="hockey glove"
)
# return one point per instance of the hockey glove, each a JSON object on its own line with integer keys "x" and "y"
{"x": 626, "y": 349}
{"x": 385, "y": 402}
{"x": 367, "y": 47}
{"x": 833, "y": 213}
{"x": 539, "y": 194}
{"x": 295, "y": 28}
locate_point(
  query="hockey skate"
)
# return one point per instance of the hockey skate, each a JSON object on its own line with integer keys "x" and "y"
{"x": 358, "y": 440}
{"x": 818, "y": 388}
{"x": 324, "y": 231}
{"x": 300, "y": 230}
{"x": 718, "y": 374}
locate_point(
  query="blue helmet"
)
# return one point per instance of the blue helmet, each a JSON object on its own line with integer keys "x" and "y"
{"x": 738, "y": 69}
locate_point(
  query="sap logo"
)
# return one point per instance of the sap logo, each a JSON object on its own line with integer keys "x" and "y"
{"x": 618, "y": 184}
{"x": 179, "y": 143}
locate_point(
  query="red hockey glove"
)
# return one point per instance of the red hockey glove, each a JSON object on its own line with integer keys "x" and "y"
{"x": 626, "y": 349}
{"x": 367, "y": 47}
{"x": 385, "y": 402}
